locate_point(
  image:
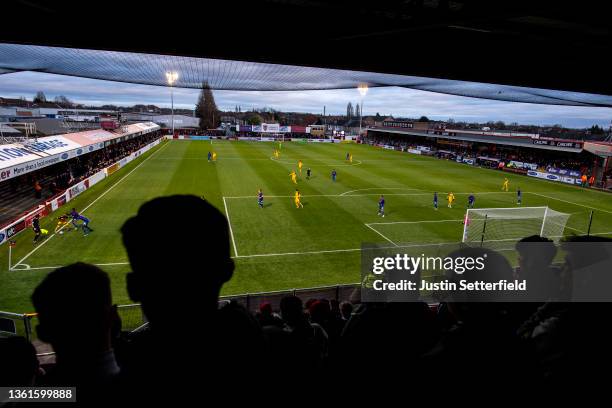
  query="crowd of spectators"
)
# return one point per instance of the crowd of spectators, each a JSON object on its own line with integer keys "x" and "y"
{"x": 195, "y": 344}
{"x": 543, "y": 159}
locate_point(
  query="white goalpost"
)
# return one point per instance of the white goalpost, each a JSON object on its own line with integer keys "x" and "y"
{"x": 486, "y": 225}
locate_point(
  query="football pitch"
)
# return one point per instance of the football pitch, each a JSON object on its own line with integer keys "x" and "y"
{"x": 281, "y": 247}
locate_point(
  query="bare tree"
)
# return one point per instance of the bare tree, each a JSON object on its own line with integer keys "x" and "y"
{"x": 206, "y": 108}
{"x": 40, "y": 97}
{"x": 349, "y": 111}
{"x": 63, "y": 101}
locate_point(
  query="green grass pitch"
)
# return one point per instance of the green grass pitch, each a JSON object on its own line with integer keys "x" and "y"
{"x": 279, "y": 246}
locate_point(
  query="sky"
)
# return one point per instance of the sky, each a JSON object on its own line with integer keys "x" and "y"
{"x": 399, "y": 102}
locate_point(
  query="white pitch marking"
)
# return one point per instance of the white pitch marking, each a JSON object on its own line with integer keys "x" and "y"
{"x": 35, "y": 268}
{"x": 359, "y": 162}
{"x": 571, "y": 202}
{"x": 361, "y": 195}
{"x": 229, "y": 222}
{"x": 380, "y": 188}
{"x": 329, "y": 251}
{"x": 205, "y": 158}
{"x": 112, "y": 264}
{"x": 380, "y": 233}
{"x": 410, "y": 222}
{"x": 92, "y": 203}
{"x": 300, "y": 253}
{"x": 575, "y": 229}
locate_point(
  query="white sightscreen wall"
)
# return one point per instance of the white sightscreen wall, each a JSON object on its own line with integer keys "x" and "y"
{"x": 512, "y": 224}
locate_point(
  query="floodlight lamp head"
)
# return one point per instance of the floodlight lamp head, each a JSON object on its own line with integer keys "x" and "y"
{"x": 171, "y": 77}
{"x": 363, "y": 89}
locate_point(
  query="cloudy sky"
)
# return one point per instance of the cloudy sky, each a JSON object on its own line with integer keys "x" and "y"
{"x": 386, "y": 101}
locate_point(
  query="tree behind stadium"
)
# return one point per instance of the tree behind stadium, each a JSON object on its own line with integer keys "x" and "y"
{"x": 206, "y": 108}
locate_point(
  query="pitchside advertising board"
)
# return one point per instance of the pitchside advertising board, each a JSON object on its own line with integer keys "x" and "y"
{"x": 553, "y": 177}
{"x": 563, "y": 172}
{"x": 522, "y": 165}
{"x": 24, "y": 222}
{"x": 264, "y": 128}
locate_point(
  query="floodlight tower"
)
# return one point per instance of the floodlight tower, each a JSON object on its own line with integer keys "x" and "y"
{"x": 171, "y": 78}
{"x": 363, "y": 90}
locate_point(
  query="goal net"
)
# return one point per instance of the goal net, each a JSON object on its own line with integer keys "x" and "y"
{"x": 496, "y": 226}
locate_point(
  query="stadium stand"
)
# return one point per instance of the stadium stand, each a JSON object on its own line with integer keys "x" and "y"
{"x": 494, "y": 154}
{"x": 18, "y": 195}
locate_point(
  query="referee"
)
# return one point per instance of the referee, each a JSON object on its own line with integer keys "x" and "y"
{"x": 36, "y": 228}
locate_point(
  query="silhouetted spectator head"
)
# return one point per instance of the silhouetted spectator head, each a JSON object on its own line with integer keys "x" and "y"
{"x": 319, "y": 312}
{"x": 182, "y": 263}
{"x": 535, "y": 252}
{"x": 291, "y": 309}
{"x": 586, "y": 273}
{"x": 74, "y": 308}
{"x": 19, "y": 363}
{"x": 265, "y": 309}
{"x": 309, "y": 303}
{"x": 535, "y": 257}
{"x": 346, "y": 308}
{"x": 471, "y": 305}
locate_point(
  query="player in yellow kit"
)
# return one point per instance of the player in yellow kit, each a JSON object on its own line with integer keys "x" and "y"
{"x": 62, "y": 221}
{"x": 297, "y": 199}
{"x": 350, "y": 158}
{"x": 293, "y": 176}
{"x": 450, "y": 198}
{"x": 214, "y": 156}
{"x": 300, "y": 164}
{"x": 276, "y": 153}
{"x": 506, "y": 184}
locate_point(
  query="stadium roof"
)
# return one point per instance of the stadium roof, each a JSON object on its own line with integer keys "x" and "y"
{"x": 540, "y": 44}
{"x": 150, "y": 69}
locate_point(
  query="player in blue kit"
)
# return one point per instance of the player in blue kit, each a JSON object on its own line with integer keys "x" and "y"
{"x": 471, "y": 200}
{"x": 260, "y": 198}
{"x": 381, "y": 206}
{"x": 209, "y": 156}
{"x": 519, "y": 196}
{"x": 435, "y": 200}
{"x": 333, "y": 174}
{"x": 85, "y": 221}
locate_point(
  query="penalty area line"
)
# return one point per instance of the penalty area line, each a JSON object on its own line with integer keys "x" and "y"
{"x": 380, "y": 233}
{"x": 410, "y": 222}
{"x": 229, "y": 222}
